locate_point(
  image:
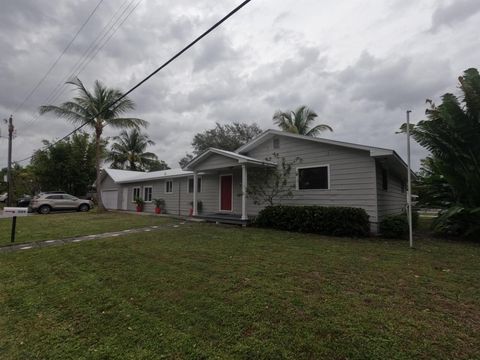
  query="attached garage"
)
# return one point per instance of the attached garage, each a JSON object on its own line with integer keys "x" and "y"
{"x": 110, "y": 199}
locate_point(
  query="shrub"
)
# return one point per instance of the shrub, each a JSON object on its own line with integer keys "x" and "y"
{"x": 335, "y": 221}
{"x": 394, "y": 226}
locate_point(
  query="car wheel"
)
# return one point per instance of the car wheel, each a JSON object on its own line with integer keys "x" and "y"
{"x": 83, "y": 207}
{"x": 44, "y": 209}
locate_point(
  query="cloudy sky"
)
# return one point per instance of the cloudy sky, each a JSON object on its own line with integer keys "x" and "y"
{"x": 359, "y": 64}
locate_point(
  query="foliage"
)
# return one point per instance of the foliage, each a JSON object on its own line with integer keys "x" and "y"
{"x": 267, "y": 185}
{"x": 68, "y": 165}
{"x": 160, "y": 203}
{"x": 394, "y": 226}
{"x": 450, "y": 177}
{"x": 299, "y": 121}
{"x": 156, "y": 165}
{"x": 225, "y": 137}
{"x": 459, "y": 221}
{"x": 128, "y": 152}
{"x": 139, "y": 201}
{"x": 335, "y": 221}
{"x": 97, "y": 109}
{"x": 185, "y": 160}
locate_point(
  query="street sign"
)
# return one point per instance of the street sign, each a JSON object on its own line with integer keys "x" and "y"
{"x": 15, "y": 211}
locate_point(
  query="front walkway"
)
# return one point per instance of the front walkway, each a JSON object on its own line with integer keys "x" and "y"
{"x": 47, "y": 243}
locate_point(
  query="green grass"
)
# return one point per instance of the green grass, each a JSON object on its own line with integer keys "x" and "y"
{"x": 64, "y": 225}
{"x": 204, "y": 291}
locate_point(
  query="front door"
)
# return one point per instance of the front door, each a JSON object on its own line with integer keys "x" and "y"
{"x": 226, "y": 192}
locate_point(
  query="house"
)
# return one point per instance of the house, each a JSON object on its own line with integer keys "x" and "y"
{"x": 330, "y": 173}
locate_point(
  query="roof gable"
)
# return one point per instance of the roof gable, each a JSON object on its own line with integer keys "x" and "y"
{"x": 238, "y": 158}
{"x": 270, "y": 133}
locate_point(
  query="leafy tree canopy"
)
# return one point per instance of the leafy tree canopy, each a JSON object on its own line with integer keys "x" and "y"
{"x": 450, "y": 176}
{"x": 226, "y": 137}
{"x": 299, "y": 121}
{"x": 68, "y": 165}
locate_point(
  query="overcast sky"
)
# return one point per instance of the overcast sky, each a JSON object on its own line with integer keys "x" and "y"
{"x": 359, "y": 64}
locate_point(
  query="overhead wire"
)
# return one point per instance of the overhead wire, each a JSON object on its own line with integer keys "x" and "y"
{"x": 165, "y": 64}
{"x": 88, "y": 55}
{"x": 50, "y": 69}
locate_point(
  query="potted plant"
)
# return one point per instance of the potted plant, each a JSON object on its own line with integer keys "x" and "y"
{"x": 199, "y": 207}
{"x": 159, "y": 204}
{"x": 139, "y": 201}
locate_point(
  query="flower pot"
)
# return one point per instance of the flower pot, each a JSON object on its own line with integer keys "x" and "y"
{"x": 158, "y": 210}
{"x": 139, "y": 208}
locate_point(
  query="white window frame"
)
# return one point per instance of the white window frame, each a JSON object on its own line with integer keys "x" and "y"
{"x": 297, "y": 177}
{"x": 151, "y": 195}
{"x": 168, "y": 192}
{"x": 133, "y": 192}
{"x": 201, "y": 185}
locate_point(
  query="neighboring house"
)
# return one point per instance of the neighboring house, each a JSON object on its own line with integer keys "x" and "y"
{"x": 331, "y": 173}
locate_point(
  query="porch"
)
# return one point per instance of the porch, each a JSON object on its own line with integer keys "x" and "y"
{"x": 228, "y": 171}
{"x": 234, "y": 219}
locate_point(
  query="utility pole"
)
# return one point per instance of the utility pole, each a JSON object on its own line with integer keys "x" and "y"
{"x": 9, "y": 166}
{"x": 409, "y": 191}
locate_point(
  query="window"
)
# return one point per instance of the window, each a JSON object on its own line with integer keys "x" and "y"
{"x": 169, "y": 186}
{"x": 316, "y": 177}
{"x": 136, "y": 193}
{"x": 276, "y": 143}
{"x": 147, "y": 194}
{"x": 69, "y": 197}
{"x": 199, "y": 185}
{"x": 55, "y": 197}
{"x": 384, "y": 180}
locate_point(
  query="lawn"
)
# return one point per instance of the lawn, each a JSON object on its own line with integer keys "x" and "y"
{"x": 64, "y": 225}
{"x": 203, "y": 291}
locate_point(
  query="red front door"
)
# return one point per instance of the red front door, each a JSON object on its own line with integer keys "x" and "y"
{"x": 226, "y": 193}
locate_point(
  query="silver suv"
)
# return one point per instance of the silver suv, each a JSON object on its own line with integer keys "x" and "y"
{"x": 46, "y": 202}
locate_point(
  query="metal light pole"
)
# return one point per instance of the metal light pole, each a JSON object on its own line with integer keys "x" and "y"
{"x": 9, "y": 166}
{"x": 409, "y": 184}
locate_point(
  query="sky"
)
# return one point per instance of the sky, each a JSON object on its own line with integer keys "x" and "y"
{"x": 359, "y": 64}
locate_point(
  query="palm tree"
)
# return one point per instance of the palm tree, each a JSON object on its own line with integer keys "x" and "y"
{"x": 95, "y": 109}
{"x": 299, "y": 121}
{"x": 128, "y": 151}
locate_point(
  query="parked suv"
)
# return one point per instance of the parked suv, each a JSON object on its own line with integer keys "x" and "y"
{"x": 44, "y": 203}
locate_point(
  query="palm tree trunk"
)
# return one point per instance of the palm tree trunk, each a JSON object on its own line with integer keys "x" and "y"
{"x": 98, "y": 152}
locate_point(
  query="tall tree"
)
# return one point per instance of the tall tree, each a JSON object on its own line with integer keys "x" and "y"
{"x": 226, "y": 137}
{"x": 98, "y": 109}
{"x": 68, "y": 165}
{"x": 451, "y": 174}
{"x": 129, "y": 152}
{"x": 299, "y": 121}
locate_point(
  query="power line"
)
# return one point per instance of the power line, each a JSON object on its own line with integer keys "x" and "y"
{"x": 173, "y": 58}
{"x": 57, "y": 60}
{"x": 79, "y": 65}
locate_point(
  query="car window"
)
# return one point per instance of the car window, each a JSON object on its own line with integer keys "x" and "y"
{"x": 69, "y": 197}
{"x": 54, "y": 197}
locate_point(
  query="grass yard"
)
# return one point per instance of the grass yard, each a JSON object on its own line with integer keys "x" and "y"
{"x": 203, "y": 291}
{"x": 65, "y": 225}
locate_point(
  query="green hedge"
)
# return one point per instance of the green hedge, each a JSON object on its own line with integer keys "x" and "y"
{"x": 335, "y": 221}
{"x": 396, "y": 226}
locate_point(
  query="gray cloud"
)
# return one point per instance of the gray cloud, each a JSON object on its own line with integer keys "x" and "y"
{"x": 453, "y": 12}
{"x": 270, "y": 56}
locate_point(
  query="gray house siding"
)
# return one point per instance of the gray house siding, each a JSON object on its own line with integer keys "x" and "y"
{"x": 352, "y": 174}
{"x": 216, "y": 161}
{"x": 393, "y": 200}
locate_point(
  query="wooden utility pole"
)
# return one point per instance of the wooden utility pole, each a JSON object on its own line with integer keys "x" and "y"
{"x": 9, "y": 166}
